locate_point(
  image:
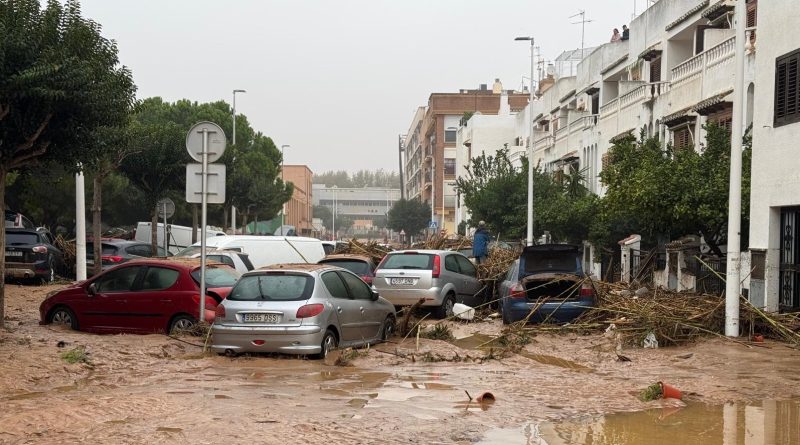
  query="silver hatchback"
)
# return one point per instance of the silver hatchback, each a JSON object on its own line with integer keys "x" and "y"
{"x": 300, "y": 309}
{"x": 439, "y": 277}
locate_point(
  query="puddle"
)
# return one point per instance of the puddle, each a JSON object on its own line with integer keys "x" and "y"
{"x": 555, "y": 361}
{"x": 769, "y": 423}
{"x": 477, "y": 341}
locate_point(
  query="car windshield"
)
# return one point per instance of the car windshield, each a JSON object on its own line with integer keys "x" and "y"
{"x": 273, "y": 287}
{"x": 355, "y": 266}
{"x": 189, "y": 251}
{"x": 557, "y": 261}
{"x": 217, "y": 276}
{"x": 107, "y": 249}
{"x": 19, "y": 238}
{"x": 408, "y": 261}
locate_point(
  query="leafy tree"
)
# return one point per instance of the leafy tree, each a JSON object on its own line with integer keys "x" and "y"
{"x": 411, "y": 216}
{"x": 361, "y": 178}
{"x": 324, "y": 213}
{"x": 60, "y": 80}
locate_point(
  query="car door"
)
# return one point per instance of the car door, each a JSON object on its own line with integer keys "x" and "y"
{"x": 107, "y": 309}
{"x": 453, "y": 274}
{"x": 472, "y": 285}
{"x": 347, "y": 310}
{"x": 155, "y": 301}
{"x": 361, "y": 293}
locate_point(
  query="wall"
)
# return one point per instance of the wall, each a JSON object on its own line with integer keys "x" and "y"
{"x": 299, "y": 208}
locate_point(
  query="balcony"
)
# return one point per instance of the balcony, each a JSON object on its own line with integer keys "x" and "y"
{"x": 609, "y": 109}
{"x": 703, "y": 75}
{"x": 543, "y": 141}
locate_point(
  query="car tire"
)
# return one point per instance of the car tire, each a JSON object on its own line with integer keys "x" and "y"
{"x": 328, "y": 344}
{"x": 64, "y": 316}
{"x": 387, "y": 330}
{"x": 181, "y": 322}
{"x": 446, "y": 309}
{"x": 51, "y": 271}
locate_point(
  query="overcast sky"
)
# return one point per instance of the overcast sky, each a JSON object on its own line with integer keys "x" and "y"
{"x": 338, "y": 80}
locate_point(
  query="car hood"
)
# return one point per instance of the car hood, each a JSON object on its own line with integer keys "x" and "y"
{"x": 551, "y": 259}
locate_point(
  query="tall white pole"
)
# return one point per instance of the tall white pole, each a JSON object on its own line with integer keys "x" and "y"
{"x": 529, "y": 237}
{"x": 233, "y": 140}
{"x": 733, "y": 264}
{"x": 333, "y": 222}
{"x": 203, "y": 203}
{"x": 283, "y": 209}
{"x": 80, "y": 228}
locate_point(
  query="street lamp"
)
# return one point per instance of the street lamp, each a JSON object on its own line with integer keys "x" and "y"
{"x": 333, "y": 220}
{"x": 283, "y": 212}
{"x": 233, "y": 141}
{"x": 529, "y": 238}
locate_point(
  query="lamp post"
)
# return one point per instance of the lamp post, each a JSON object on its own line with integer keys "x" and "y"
{"x": 283, "y": 211}
{"x": 233, "y": 142}
{"x": 333, "y": 220}
{"x": 529, "y": 238}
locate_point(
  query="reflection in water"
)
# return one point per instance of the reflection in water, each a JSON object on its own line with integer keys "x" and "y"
{"x": 768, "y": 423}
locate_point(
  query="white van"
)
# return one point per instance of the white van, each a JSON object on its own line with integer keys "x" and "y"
{"x": 266, "y": 250}
{"x": 180, "y": 237}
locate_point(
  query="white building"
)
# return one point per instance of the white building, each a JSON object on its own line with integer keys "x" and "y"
{"x": 774, "y": 275}
{"x": 367, "y": 207}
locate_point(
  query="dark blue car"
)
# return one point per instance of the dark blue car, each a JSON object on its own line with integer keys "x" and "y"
{"x": 549, "y": 279}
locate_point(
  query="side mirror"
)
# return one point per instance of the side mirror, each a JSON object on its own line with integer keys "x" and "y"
{"x": 375, "y": 295}
{"x": 92, "y": 290}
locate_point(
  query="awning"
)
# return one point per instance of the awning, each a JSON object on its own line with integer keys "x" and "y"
{"x": 719, "y": 9}
{"x": 651, "y": 53}
{"x": 614, "y": 64}
{"x": 677, "y": 118}
{"x": 590, "y": 90}
{"x": 687, "y": 14}
{"x": 621, "y": 136}
{"x": 713, "y": 104}
{"x": 569, "y": 156}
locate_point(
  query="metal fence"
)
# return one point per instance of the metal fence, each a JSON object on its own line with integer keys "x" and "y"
{"x": 709, "y": 273}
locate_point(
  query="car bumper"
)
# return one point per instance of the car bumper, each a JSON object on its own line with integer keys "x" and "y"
{"x": 26, "y": 270}
{"x": 551, "y": 311}
{"x": 408, "y": 297}
{"x": 287, "y": 340}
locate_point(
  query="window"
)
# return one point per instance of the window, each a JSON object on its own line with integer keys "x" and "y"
{"x": 451, "y": 264}
{"x": 449, "y": 135}
{"x": 221, "y": 259}
{"x": 273, "y": 287}
{"x": 787, "y": 83}
{"x": 358, "y": 289}
{"x": 335, "y": 285}
{"x": 752, "y": 14}
{"x": 606, "y": 161}
{"x": 466, "y": 267}
{"x": 139, "y": 250}
{"x": 682, "y": 138}
{"x": 449, "y": 167}
{"x": 655, "y": 70}
{"x": 217, "y": 276}
{"x": 723, "y": 118}
{"x": 119, "y": 280}
{"x": 159, "y": 278}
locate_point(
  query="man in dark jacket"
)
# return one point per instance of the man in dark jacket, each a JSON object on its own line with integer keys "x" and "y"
{"x": 480, "y": 243}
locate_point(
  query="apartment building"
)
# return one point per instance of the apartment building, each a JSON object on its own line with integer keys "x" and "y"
{"x": 773, "y": 275}
{"x": 299, "y": 208}
{"x": 430, "y": 147}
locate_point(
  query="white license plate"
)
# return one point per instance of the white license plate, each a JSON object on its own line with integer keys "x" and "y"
{"x": 401, "y": 281}
{"x": 262, "y": 318}
{"x": 9, "y": 253}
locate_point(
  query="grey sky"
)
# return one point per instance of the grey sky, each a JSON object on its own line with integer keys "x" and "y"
{"x": 339, "y": 80}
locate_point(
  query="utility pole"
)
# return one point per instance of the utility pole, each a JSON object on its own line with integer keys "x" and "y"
{"x": 583, "y": 23}
{"x": 529, "y": 235}
{"x": 401, "y": 138}
{"x": 732, "y": 273}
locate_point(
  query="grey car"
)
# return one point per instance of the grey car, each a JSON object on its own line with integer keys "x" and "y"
{"x": 440, "y": 277}
{"x": 306, "y": 309}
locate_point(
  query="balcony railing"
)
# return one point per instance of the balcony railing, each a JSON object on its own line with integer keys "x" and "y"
{"x": 699, "y": 63}
{"x": 544, "y": 142}
{"x": 561, "y": 132}
{"x": 609, "y": 108}
{"x": 633, "y": 96}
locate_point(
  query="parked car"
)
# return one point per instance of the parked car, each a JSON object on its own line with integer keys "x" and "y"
{"x": 117, "y": 251}
{"x": 18, "y": 220}
{"x": 300, "y": 309}
{"x": 440, "y": 277}
{"x": 550, "y": 277}
{"x": 179, "y": 237}
{"x": 237, "y": 260}
{"x": 31, "y": 253}
{"x": 266, "y": 250}
{"x": 358, "y": 264}
{"x": 330, "y": 246}
{"x": 140, "y": 296}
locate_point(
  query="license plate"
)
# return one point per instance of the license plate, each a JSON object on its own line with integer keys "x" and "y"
{"x": 9, "y": 253}
{"x": 401, "y": 281}
{"x": 262, "y": 318}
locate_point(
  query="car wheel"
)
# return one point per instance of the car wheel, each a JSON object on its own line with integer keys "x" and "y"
{"x": 328, "y": 344}
{"x": 62, "y": 315}
{"x": 446, "y": 309}
{"x": 387, "y": 331}
{"x": 51, "y": 271}
{"x": 180, "y": 323}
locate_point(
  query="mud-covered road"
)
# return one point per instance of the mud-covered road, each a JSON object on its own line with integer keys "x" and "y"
{"x": 153, "y": 389}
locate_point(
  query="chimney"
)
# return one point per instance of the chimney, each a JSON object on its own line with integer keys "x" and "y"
{"x": 483, "y": 87}
{"x": 497, "y": 88}
{"x": 505, "y": 107}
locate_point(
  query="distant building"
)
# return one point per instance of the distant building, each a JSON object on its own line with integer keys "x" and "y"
{"x": 299, "y": 210}
{"x": 367, "y": 207}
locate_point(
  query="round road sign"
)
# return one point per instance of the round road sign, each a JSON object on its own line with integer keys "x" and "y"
{"x": 216, "y": 141}
{"x": 165, "y": 204}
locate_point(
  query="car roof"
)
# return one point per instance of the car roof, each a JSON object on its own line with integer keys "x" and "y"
{"x": 293, "y": 267}
{"x": 23, "y": 229}
{"x": 347, "y": 256}
{"x": 426, "y": 251}
{"x": 188, "y": 263}
{"x": 117, "y": 241}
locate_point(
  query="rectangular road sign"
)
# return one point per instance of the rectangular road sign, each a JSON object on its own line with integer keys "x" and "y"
{"x": 216, "y": 183}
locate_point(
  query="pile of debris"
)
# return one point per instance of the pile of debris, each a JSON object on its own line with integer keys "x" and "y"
{"x": 371, "y": 249}
{"x": 441, "y": 241}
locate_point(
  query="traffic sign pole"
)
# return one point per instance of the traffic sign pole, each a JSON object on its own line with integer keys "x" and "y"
{"x": 203, "y": 203}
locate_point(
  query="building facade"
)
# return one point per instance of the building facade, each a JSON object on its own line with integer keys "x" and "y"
{"x": 430, "y": 152}
{"x": 299, "y": 209}
{"x": 366, "y": 207}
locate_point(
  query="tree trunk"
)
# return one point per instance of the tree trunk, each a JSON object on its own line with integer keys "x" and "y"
{"x": 97, "y": 202}
{"x": 3, "y": 249}
{"x": 244, "y": 222}
{"x": 225, "y": 220}
{"x": 194, "y": 223}
{"x": 154, "y": 229}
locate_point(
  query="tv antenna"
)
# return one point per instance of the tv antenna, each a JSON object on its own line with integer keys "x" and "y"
{"x": 583, "y": 21}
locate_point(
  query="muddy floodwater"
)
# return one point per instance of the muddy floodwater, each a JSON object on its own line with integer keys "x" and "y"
{"x": 567, "y": 389}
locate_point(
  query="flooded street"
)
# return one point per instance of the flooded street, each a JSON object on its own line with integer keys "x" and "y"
{"x": 560, "y": 390}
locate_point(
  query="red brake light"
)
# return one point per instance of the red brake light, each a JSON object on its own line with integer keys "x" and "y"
{"x": 587, "y": 290}
{"x": 518, "y": 291}
{"x": 111, "y": 258}
{"x": 437, "y": 266}
{"x": 39, "y": 249}
{"x": 309, "y": 310}
{"x": 220, "y": 312}
{"x": 367, "y": 279}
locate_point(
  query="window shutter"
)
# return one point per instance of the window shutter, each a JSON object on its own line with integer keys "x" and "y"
{"x": 787, "y": 87}
{"x": 752, "y": 16}
{"x": 606, "y": 161}
{"x": 655, "y": 70}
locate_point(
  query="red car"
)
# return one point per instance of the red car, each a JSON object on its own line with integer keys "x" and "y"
{"x": 141, "y": 296}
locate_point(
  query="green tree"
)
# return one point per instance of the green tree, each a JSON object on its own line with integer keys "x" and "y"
{"x": 411, "y": 216}
{"x": 60, "y": 80}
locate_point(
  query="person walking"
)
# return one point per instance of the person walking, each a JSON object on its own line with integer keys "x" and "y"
{"x": 480, "y": 243}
